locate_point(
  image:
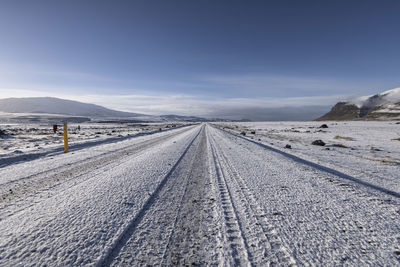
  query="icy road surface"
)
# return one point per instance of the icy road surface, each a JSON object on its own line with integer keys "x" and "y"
{"x": 195, "y": 195}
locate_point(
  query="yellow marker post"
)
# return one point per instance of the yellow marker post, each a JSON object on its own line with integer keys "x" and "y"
{"x": 65, "y": 137}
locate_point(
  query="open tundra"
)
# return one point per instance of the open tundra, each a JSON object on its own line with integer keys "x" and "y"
{"x": 207, "y": 195}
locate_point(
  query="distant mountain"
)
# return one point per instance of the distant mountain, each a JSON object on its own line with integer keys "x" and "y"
{"x": 383, "y": 106}
{"x": 52, "y": 105}
{"x": 181, "y": 118}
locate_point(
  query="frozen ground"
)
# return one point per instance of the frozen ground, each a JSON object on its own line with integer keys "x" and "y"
{"x": 31, "y": 140}
{"x": 205, "y": 195}
{"x": 368, "y": 150}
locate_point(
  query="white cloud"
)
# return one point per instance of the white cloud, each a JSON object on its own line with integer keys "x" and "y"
{"x": 195, "y": 105}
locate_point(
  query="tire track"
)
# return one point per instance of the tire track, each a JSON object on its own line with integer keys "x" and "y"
{"x": 195, "y": 236}
{"x": 236, "y": 249}
{"x": 139, "y": 223}
{"x": 245, "y": 219}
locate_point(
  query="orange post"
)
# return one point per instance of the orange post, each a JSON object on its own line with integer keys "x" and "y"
{"x": 65, "y": 137}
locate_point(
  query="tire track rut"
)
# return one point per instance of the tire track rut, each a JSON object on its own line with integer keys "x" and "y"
{"x": 245, "y": 219}
{"x": 145, "y": 237}
{"x": 195, "y": 237}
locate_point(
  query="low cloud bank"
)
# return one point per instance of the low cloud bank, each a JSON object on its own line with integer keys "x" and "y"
{"x": 256, "y": 109}
{"x": 274, "y": 114}
{"x": 305, "y": 108}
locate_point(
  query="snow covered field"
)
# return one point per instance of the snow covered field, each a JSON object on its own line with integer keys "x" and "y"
{"x": 27, "y": 140}
{"x": 366, "y": 149}
{"x": 205, "y": 194}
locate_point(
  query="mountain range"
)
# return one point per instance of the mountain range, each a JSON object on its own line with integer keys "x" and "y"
{"x": 51, "y": 105}
{"x": 383, "y": 106}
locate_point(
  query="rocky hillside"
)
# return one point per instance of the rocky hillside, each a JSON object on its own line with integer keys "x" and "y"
{"x": 383, "y": 106}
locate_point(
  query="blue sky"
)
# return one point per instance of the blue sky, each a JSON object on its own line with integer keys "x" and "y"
{"x": 199, "y": 57}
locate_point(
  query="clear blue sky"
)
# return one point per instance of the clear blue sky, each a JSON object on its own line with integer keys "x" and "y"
{"x": 199, "y": 57}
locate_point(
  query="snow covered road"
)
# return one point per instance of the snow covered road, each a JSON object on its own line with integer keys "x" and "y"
{"x": 194, "y": 195}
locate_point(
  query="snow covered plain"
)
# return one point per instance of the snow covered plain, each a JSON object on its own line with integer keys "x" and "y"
{"x": 32, "y": 140}
{"x": 205, "y": 195}
{"x": 369, "y": 150}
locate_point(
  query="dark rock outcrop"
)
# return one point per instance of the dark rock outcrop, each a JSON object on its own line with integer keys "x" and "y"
{"x": 318, "y": 143}
{"x": 341, "y": 111}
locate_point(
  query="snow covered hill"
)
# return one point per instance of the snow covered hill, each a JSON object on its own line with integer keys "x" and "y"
{"x": 52, "y": 105}
{"x": 383, "y": 106}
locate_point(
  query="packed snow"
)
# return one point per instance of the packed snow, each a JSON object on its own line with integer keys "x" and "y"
{"x": 227, "y": 194}
{"x": 387, "y": 97}
{"x": 392, "y": 95}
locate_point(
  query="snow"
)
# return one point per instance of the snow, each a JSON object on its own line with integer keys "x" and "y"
{"x": 319, "y": 223}
{"x": 370, "y": 151}
{"x": 392, "y": 95}
{"x": 359, "y": 101}
{"x": 388, "y": 108}
{"x": 206, "y": 195}
{"x": 389, "y": 96}
{"x": 39, "y": 138}
{"x": 78, "y": 217}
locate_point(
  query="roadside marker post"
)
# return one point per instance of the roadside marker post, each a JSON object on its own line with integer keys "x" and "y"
{"x": 65, "y": 137}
